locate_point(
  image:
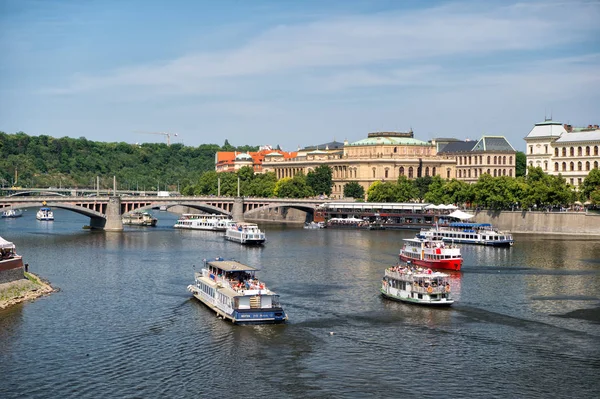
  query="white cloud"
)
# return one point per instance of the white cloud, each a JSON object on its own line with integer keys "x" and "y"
{"x": 400, "y": 45}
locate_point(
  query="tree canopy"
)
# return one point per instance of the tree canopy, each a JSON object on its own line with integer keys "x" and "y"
{"x": 44, "y": 161}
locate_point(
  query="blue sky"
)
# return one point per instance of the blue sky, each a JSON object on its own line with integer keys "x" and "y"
{"x": 296, "y": 73}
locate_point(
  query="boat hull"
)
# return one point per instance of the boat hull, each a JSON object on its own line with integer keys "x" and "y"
{"x": 480, "y": 242}
{"x": 414, "y": 301}
{"x": 445, "y": 264}
{"x": 247, "y": 316}
{"x": 246, "y": 241}
{"x": 135, "y": 222}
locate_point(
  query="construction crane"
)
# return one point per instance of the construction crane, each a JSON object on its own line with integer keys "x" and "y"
{"x": 167, "y": 135}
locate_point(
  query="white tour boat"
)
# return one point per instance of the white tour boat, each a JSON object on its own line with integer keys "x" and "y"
{"x": 231, "y": 290}
{"x": 45, "y": 213}
{"x": 138, "y": 218}
{"x": 245, "y": 233}
{"x": 471, "y": 233}
{"x": 419, "y": 286}
{"x": 12, "y": 213}
{"x": 203, "y": 221}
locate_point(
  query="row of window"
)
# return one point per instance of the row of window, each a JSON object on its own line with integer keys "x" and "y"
{"x": 496, "y": 172}
{"x": 562, "y": 167}
{"x": 498, "y": 160}
{"x": 563, "y": 151}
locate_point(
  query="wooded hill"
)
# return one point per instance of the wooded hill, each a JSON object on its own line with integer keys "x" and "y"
{"x": 44, "y": 161}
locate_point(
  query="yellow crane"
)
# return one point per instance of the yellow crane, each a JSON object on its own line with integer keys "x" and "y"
{"x": 166, "y": 134}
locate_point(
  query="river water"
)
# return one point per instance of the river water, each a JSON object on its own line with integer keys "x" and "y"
{"x": 526, "y": 322}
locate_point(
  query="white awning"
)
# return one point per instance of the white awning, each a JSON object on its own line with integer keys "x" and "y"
{"x": 432, "y": 206}
{"x": 6, "y": 244}
{"x": 460, "y": 215}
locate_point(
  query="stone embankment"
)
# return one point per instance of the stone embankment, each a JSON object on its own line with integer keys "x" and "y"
{"x": 26, "y": 289}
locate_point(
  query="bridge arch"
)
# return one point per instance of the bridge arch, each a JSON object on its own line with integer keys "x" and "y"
{"x": 92, "y": 214}
{"x": 201, "y": 207}
{"x": 307, "y": 208}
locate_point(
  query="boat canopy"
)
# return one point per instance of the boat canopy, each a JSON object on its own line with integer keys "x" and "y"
{"x": 45, "y": 208}
{"x": 460, "y": 215}
{"x": 6, "y": 244}
{"x": 230, "y": 266}
{"x": 351, "y": 219}
{"x": 467, "y": 225}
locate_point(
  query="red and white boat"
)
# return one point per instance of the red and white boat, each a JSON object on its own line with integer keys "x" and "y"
{"x": 431, "y": 252}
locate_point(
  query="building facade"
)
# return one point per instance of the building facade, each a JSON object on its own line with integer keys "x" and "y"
{"x": 382, "y": 156}
{"x": 490, "y": 154}
{"x": 562, "y": 149}
{"x": 232, "y": 161}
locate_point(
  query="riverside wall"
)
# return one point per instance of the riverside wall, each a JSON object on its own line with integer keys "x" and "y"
{"x": 578, "y": 223}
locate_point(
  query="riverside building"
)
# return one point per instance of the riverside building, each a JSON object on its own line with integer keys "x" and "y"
{"x": 563, "y": 149}
{"x": 382, "y": 156}
{"x": 490, "y": 154}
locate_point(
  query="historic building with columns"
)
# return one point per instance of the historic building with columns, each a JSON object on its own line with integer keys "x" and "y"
{"x": 382, "y": 156}
{"x": 563, "y": 149}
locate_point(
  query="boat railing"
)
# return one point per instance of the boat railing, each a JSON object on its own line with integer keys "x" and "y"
{"x": 257, "y": 288}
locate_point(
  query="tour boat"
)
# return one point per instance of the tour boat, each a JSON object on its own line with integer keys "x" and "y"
{"x": 416, "y": 285}
{"x": 45, "y": 213}
{"x": 12, "y": 213}
{"x": 11, "y": 264}
{"x": 471, "y": 233}
{"x": 203, "y": 221}
{"x": 314, "y": 225}
{"x": 245, "y": 233}
{"x": 431, "y": 252}
{"x": 137, "y": 218}
{"x": 231, "y": 289}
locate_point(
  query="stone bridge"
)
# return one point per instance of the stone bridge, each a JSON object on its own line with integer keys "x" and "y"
{"x": 105, "y": 212}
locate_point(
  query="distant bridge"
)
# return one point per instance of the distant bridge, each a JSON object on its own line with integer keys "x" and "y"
{"x": 105, "y": 212}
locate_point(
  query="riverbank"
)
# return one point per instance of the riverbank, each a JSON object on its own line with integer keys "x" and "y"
{"x": 29, "y": 288}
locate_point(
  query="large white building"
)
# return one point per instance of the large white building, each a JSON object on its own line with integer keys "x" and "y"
{"x": 563, "y": 149}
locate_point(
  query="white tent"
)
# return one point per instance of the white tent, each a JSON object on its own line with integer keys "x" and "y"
{"x": 6, "y": 244}
{"x": 451, "y": 206}
{"x": 432, "y": 206}
{"x": 460, "y": 215}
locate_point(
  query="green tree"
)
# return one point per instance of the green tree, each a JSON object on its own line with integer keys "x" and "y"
{"x": 320, "y": 180}
{"x": 422, "y": 186}
{"x": 436, "y": 193}
{"x": 354, "y": 190}
{"x": 405, "y": 190}
{"x": 295, "y": 187}
{"x": 262, "y": 185}
{"x": 590, "y": 184}
{"x": 520, "y": 164}
{"x": 382, "y": 192}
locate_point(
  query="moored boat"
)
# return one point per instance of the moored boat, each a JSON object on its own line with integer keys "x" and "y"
{"x": 431, "y": 252}
{"x": 245, "y": 233}
{"x": 203, "y": 221}
{"x": 10, "y": 262}
{"x": 12, "y": 213}
{"x": 45, "y": 213}
{"x": 231, "y": 290}
{"x": 471, "y": 233}
{"x": 137, "y": 218}
{"x": 314, "y": 225}
{"x": 419, "y": 286}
